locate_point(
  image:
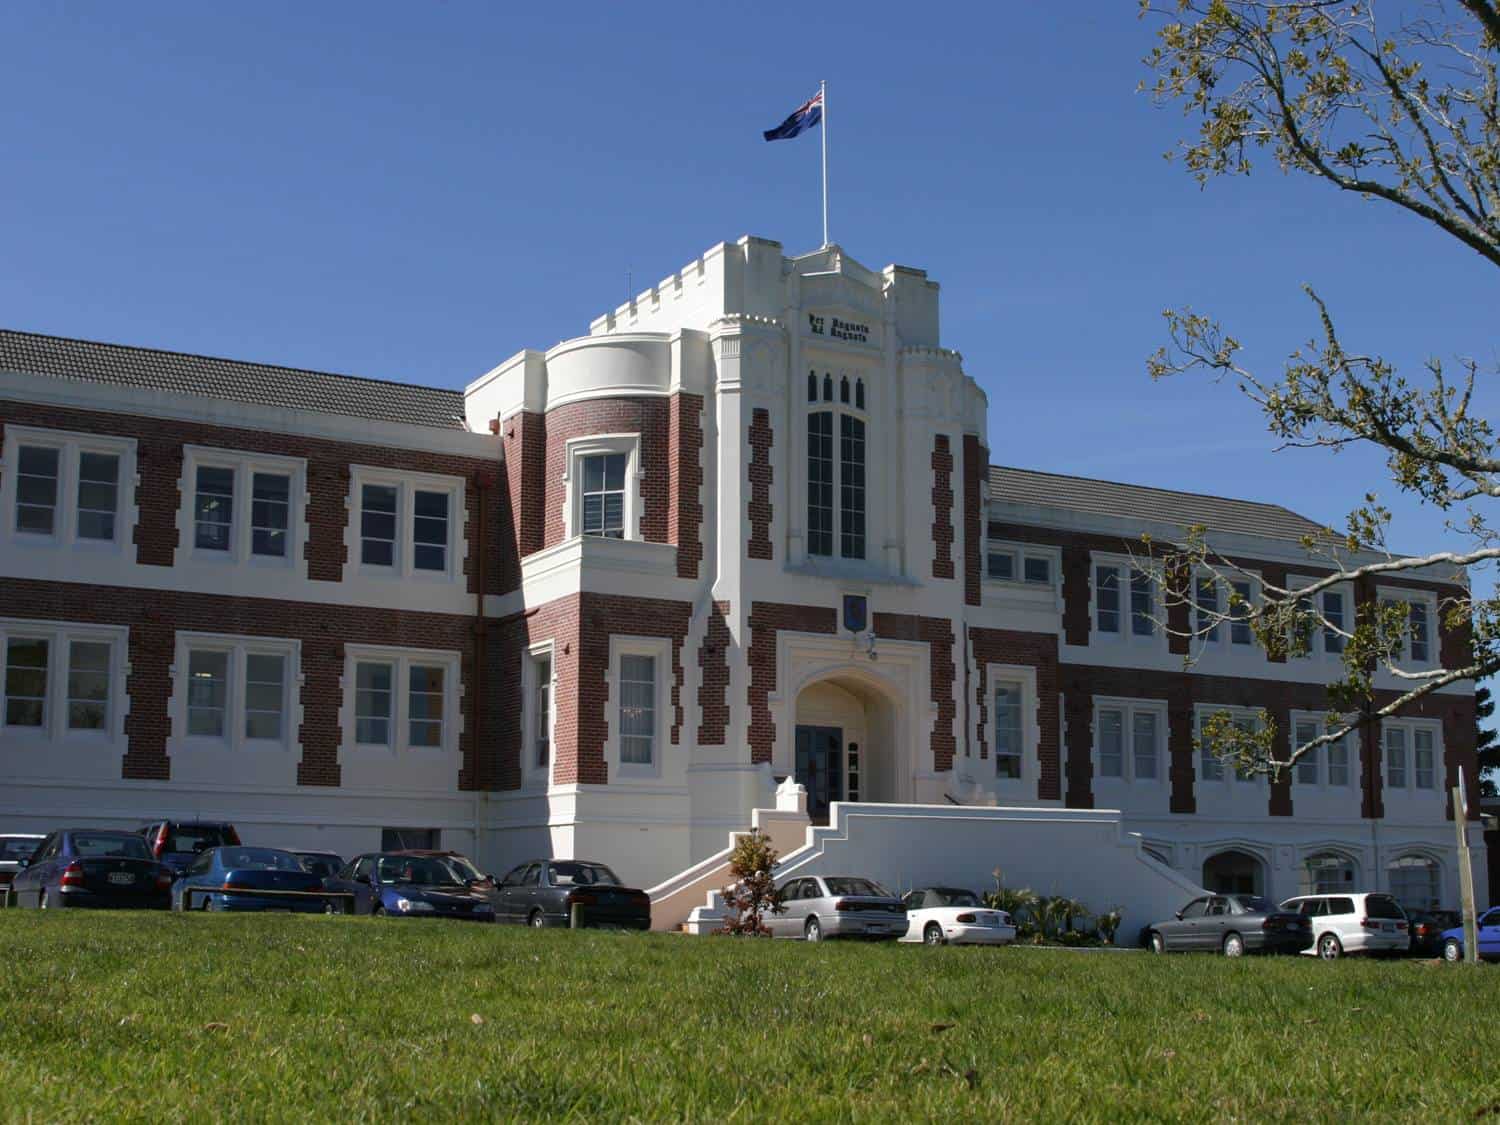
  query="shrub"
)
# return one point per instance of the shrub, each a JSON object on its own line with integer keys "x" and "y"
{"x": 753, "y": 893}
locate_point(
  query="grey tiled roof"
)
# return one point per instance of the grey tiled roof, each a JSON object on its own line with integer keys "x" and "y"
{"x": 1139, "y": 503}
{"x": 234, "y": 380}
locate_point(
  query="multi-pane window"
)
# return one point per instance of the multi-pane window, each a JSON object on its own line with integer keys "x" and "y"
{"x": 270, "y": 513}
{"x": 1424, "y": 760}
{"x": 1411, "y": 754}
{"x": 1338, "y": 762}
{"x": 1206, "y": 605}
{"x": 1144, "y": 741}
{"x": 604, "y": 495}
{"x": 372, "y": 703}
{"x": 1416, "y": 882}
{"x": 88, "y": 685}
{"x": 820, "y": 483}
{"x": 637, "y": 709}
{"x": 1417, "y": 644}
{"x": 36, "y": 489}
{"x": 1014, "y": 562}
{"x": 213, "y": 508}
{"x": 1333, "y": 621}
{"x": 1395, "y": 757}
{"x": 1037, "y": 569}
{"x": 208, "y": 692}
{"x": 1240, "y": 632}
{"x": 1107, "y": 599}
{"x": 1111, "y": 742}
{"x": 1139, "y": 758}
{"x": 1142, "y": 621}
{"x": 425, "y": 705}
{"x": 98, "y": 494}
{"x": 429, "y": 530}
{"x": 1307, "y": 765}
{"x": 265, "y": 694}
{"x": 1124, "y": 600}
{"x": 1210, "y": 765}
{"x": 1008, "y": 730}
{"x": 26, "y": 665}
{"x": 851, "y": 486}
{"x": 541, "y": 735}
{"x": 377, "y": 525}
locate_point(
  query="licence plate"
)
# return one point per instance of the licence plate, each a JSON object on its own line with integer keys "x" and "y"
{"x": 1388, "y": 927}
{"x": 121, "y": 878}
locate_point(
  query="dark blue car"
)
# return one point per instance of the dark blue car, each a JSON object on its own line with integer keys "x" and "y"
{"x": 400, "y": 885}
{"x": 1489, "y": 938}
{"x": 96, "y": 867}
{"x": 244, "y": 878}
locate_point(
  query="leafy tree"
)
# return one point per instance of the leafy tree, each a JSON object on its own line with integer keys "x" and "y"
{"x": 753, "y": 893}
{"x": 1484, "y": 742}
{"x": 1403, "y": 111}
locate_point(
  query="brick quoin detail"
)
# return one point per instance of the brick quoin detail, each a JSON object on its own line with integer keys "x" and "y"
{"x": 937, "y": 634}
{"x": 1027, "y": 650}
{"x": 160, "y": 444}
{"x": 713, "y": 694}
{"x": 760, "y": 474}
{"x": 942, "y": 506}
{"x": 766, "y": 620}
{"x": 153, "y": 618}
{"x": 649, "y": 419}
{"x": 976, "y": 468}
{"x": 685, "y": 514}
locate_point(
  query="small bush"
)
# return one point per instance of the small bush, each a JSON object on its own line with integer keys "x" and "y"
{"x": 753, "y": 893}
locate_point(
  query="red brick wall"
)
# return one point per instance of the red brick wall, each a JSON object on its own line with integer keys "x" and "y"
{"x": 685, "y": 512}
{"x": 765, "y": 621}
{"x": 976, "y": 468}
{"x": 160, "y": 444}
{"x": 524, "y": 491}
{"x": 713, "y": 693}
{"x": 1032, "y": 650}
{"x": 759, "y": 472}
{"x": 937, "y": 634}
{"x": 155, "y": 616}
{"x": 650, "y": 418}
{"x": 942, "y": 504}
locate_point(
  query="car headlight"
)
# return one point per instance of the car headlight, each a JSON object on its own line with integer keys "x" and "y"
{"x": 413, "y": 906}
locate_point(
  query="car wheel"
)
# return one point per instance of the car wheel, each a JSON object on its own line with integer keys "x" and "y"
{"x": 933, "y": 934}
{"x": 537, "y": 921}
{"x": 1330, "y": 948}
{"x": 813, "y": 931}
{"x": 1453, "y": 951}
{"x": 1158, "y": 943}
{"x": 378, "y": 912}
{"x": 1234, "y": 945}
{"x": 331, "y": 907}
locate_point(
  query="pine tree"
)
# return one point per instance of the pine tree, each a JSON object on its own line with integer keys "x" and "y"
{"x": 1484, "y": 743}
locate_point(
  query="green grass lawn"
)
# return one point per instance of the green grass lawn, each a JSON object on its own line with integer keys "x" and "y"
{"x": 169, "y": 1017}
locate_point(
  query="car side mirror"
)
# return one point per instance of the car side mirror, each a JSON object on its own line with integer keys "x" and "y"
{"x": 1179, "y": 916}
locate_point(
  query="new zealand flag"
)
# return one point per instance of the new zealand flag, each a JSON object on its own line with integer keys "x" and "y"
{"x": 803, "y": 118}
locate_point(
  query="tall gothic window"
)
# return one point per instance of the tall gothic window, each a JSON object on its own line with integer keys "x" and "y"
{"x": 852, "y": 487}
{"x": 820, "y": 483}
{"x": 843, "y": 526}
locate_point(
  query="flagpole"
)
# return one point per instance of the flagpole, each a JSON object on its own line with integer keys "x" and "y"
{"x": 823, "y": 93}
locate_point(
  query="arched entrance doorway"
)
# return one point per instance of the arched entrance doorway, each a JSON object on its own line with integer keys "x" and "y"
{"x": 1234, "y": 873}
{"x": 845, "y": 746}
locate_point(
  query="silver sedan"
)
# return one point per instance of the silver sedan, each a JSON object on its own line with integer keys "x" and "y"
{"x": 830, "y": 906}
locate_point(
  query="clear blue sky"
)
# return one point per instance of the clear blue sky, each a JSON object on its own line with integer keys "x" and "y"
{"x": 416, "y": 191}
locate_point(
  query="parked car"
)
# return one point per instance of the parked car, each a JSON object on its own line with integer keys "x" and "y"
{"x": 1232, "y": 925}
{"x": 325, "y": 865}
{"x": 241, "y": 878}
{"x": 936, "y": 915}
{"x": 1357, "y": 923}
{"x": 830, "y": 906}
{"x": 177, "y": 842}
{"x": 13, "y": 849}
{"x": 1425, "y": 930}
{"x": 543, "y": 892}
{"x": 466, "y": 868}
{"x": 1489, "y": 938}
{"x": 96, "y": 867}
{"x": 399, "y": 885}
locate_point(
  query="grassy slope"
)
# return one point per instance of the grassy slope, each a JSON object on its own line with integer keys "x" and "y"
{"x": 279, "y": 1018}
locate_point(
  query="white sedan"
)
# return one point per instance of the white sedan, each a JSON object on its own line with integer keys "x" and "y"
{"x": 938, "y": 915}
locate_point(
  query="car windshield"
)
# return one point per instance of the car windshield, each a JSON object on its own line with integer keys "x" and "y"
{"x": 262, "y": 859}
{"x": 580, "y": 875}
{"x": 320, "y": 865}
{"x": 16, "y": 848}
{"x": 1382, "y": 906}
{"x": 425, "y": 871}
{"x": 464, "y": 868}
{"x": 1253, "y": 904}
{"x": 844, "y": 886}
{"x": 198, "y": 837}
{"x": 937, "y": 897}
{"x": 115, "y": 844}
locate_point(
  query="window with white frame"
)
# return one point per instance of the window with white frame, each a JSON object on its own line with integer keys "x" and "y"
{"x": 1125, "y": 601}
{"x": 1010, "y": 727}
{"x": 1419, "y": 645}
{"x": 1207, "y": 609}
{"x": 1416, "y": 881}
{"x": 1129, "y": 740}
{"x": 1325, "y": 766}
{"x": 603, "y": 495}
{"x": 1335, "y": 607}
{"x": 244, "y": 507}
{"x": 236, "y": 692}
{"x": 60, "y": 680}
{"x": 640, "y": 719}
{"x": 64, "y": 487}
{"x": 1241, "y": 602}
{"x": 401, "y": 700}
{"x": 836, "y": 480}
{"x": 539, "y": 725}
{"x": 1020, "y": 562}
{"x": 602, "y": 478}
{"x": 407, "y": 525}
{"x": 1410, "y": 748}
{"x": 1210, "y": 765}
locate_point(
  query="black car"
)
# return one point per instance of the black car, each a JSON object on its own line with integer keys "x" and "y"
{"x": 399, "y": 885}
{"x": 1232, "y": 925}
{"x": 178, "y": 842}
{"x": 1425, "y": 928}
{"x": 97, "y": 867}
{"x": 544, "y": 892}
{"x": 325, "y": 865}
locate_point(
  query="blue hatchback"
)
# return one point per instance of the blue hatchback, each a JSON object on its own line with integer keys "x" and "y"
{"x": 401, "y": 885}
{"x": 242, "y": 878}
{"x": 1489, "y": 938}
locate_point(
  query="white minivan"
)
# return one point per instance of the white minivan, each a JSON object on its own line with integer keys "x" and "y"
{"x": 1362, "y": 923}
